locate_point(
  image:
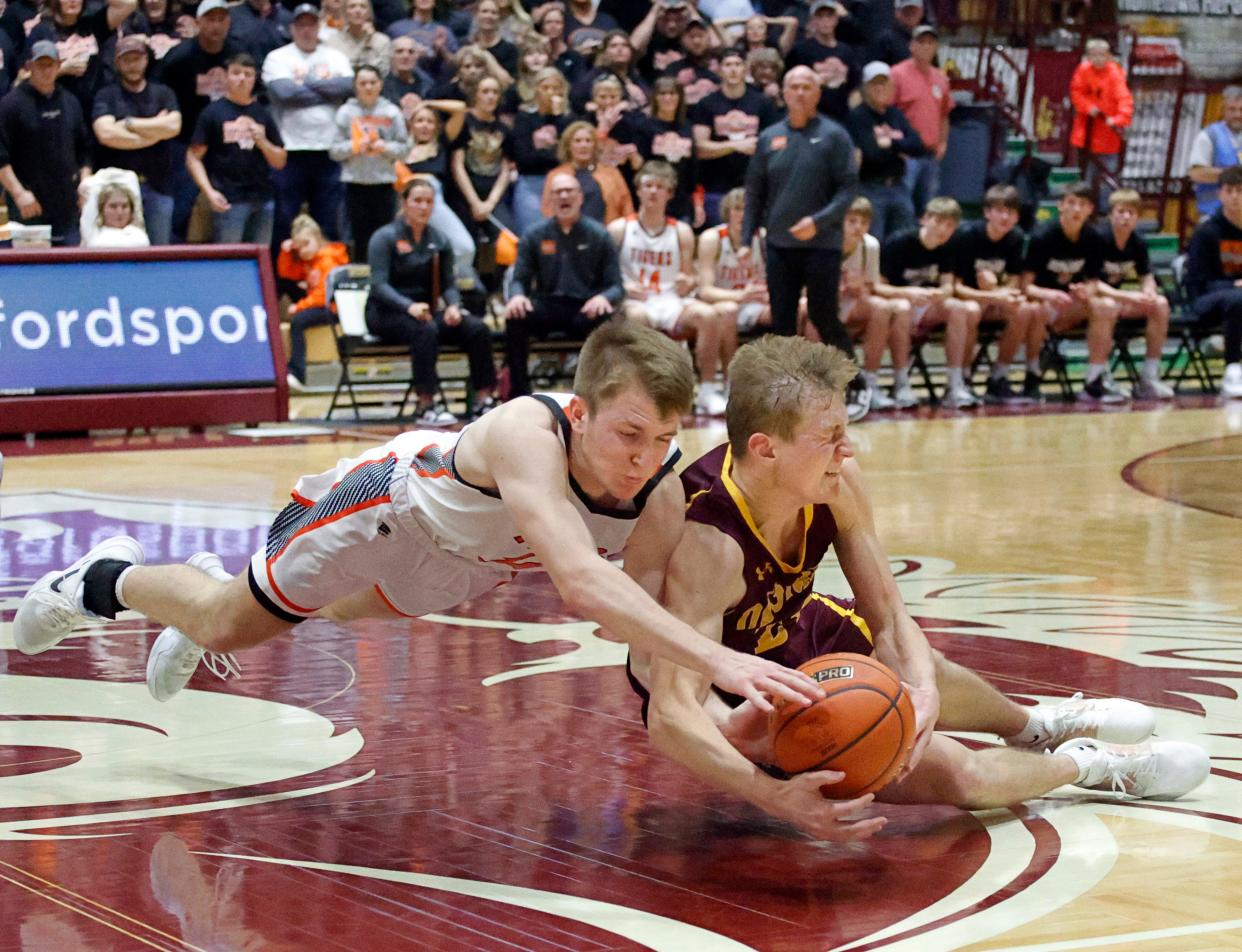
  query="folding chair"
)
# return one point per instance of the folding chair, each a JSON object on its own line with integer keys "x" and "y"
{"x": 348, "y": 287}
{"x": 1190, "y": 330}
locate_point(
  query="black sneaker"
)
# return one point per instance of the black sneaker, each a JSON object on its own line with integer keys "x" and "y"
{"x": 1031, "y": 389}
{"x": 1103, "y": 389}
{"x": 999, "y": 390}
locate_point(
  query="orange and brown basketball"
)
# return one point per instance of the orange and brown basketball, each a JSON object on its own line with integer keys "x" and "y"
{"x": 864, "y": 727}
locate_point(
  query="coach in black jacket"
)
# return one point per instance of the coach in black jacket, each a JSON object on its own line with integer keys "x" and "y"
{"x": 43, "y": 148}
{"x": 799, "y": 185}
{"x": 567, "y": 278}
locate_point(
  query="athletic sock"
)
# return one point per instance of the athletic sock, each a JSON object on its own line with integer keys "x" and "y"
{"x": 1032, "y": 366}
{"x": 1000, "y": 371}
{"x": 901, "y": 378}
{"x": 1095, "y": 370}
{"x": 955, "y": 377}
{"x": 872, "y": 378}
{"x": 99, "y": 587}
{"x": 1151, "y": 368}
{"x": 1034, "y": 730}
{"x": 1082, "y": 758}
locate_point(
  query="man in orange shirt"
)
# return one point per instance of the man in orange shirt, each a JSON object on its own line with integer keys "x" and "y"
{"x": 923, "y": 95}
{"x": 1102, "y": 106}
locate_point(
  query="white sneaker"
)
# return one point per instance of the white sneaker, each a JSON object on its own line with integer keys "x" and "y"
{"x": 879, "y": 399}
{"x": 859, "y": 404}
{"x": 53, "y": 606}
{"x": 710, "y": 400}
{"x": 1113, "y": 720}
{"x": 1157, "y": 770}
{"x": 904, "y": 397}
{"x": 174, "y": 658}
{"x": 1150, "y": 388}
{"x": 958, "y": 397}
{"x": 295, "y": 385}
{"x": 434, "y": 414}
{"x": 1231, "y": 384}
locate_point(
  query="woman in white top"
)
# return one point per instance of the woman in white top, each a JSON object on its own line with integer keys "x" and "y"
{"x": 112, "y": 211}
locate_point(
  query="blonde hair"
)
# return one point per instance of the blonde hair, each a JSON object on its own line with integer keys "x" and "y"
{"x": 1125, "y": 196}
{"x": 861, "y": 206}
{"x": 624, "y": 353}
{"x": 304, "y": 223}
{"x": 773, "y": 382}
{"x": 562, "y": 147}
{"x": 944, "y": 207}
{"x": 734, "y": 198}
{"x": 551, "y": 72}
{"x": 660, "y": 170}
{"x": 116, "y": 189}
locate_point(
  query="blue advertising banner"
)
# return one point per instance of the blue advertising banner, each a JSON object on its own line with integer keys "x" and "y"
{"x": 84, "y": 326}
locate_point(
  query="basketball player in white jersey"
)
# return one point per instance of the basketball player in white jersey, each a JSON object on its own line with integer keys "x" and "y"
{"x": 657, "y": 266}
{"x": 736, "y": 284}
{"x": 432, "y": 519}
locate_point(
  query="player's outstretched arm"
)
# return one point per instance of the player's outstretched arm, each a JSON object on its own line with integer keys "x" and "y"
{"x": 527, "y": 464}
{"x": 899, "y": 642}
{"x": 703, "y": 581}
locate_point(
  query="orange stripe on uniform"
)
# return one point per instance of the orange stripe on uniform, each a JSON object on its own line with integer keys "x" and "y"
{"x": 384, "y": 598}
{"x": 301, "y": 500}
{"x": 319, "y": 523}
{"x": 365, "y": 462}
{"x": 281, "y": 595}
{"x": 442, "y": 471}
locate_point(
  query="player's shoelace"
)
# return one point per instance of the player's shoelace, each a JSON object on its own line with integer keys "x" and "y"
{"x": 1117, "y": 772}
{"x": 55, "y": 611}
{"x": 1072, "y": 717}
{"x": 222, "y": 664}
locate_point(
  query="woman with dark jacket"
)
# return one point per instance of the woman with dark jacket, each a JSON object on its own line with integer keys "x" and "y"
{"x": 411, "y": 273}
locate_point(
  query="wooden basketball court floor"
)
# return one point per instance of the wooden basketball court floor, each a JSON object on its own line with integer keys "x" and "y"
{"x": 481, "y": 780}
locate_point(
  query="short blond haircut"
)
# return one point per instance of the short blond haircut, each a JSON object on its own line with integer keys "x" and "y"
{"x": 1125, "y": 196}
{"x": 862, "y": 207}
{"x": 734, "y": 198}
{"x": 944, "y": 207}
{"x": 625, "y": 353}
{"x": 304, "y": 223}
{"x": 660, "y": 170}
{"x": 774, "y": 381}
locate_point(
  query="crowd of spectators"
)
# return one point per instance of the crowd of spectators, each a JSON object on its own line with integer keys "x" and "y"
{"x": 608, "y": 140}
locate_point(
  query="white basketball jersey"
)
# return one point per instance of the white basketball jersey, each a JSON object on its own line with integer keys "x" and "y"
{"x": 732, "y": 274}
{"x": 473, "y": 523}
{"x": 651, "y": 261}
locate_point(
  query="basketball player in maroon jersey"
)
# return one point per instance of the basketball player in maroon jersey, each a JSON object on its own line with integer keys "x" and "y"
{"x": 761, "y": 514}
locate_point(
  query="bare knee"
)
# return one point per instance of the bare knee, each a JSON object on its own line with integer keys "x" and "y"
{"x": 966, "y": 786}
{"x": 235, "y": 620}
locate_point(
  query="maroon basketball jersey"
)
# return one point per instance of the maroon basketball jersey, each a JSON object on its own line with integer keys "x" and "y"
{"x": 762, "y": 622}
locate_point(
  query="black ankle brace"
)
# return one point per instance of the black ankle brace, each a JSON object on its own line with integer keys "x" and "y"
{"x": 99, "y": 587}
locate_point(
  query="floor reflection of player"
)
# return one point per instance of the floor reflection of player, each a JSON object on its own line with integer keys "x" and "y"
{"x": 761, "y": 514}
{"x": 432, "y": 519}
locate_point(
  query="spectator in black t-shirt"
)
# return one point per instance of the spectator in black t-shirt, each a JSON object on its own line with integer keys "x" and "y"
{"x": 615, "y": 58}
{"x": 698, "y": 70}
{"x": 585, "y": 26}
{"x": 1062, "y": 273}
{"x": 836, "y": 64}
{"x": 481, "y": 170}
{"x": 922, "y": 265}
{"x": 892, "y": 45}
{"x": 657, "y": 39}
{"x": 885, "y": 137}
{"x": 989, "y": 273}
{"x": 536, "y": 133}
{"x": 551, "y": 26}
{"x": 764, "y": 69}
{"x": 195, "y": 71}
{"x": 133, "y": 121}
{"x": 1125, "y": 276}
{"x": 487, "y": 36}
{"x": 727, "y": 124}
{"x": 668, "y": 135}
{"x": 406, "y": 84}
{"x": 235, "y": 145}
{"x": 260, "y": 26}
{"x": 1214, "y": 274}
{"x": 44, "y": 148}
{"x": 81, "y": 38}
{"x": 165, "y": 25}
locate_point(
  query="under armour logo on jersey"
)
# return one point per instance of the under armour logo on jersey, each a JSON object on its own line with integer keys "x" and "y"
{"x": 761, "y": 572}
{"x": 384, "y": 530}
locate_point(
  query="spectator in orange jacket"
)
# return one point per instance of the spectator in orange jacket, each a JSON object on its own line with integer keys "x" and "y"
{"x": 1102, "y": 107}
{"x": 605, "y": 196}
{"x": 305, "y": 257}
